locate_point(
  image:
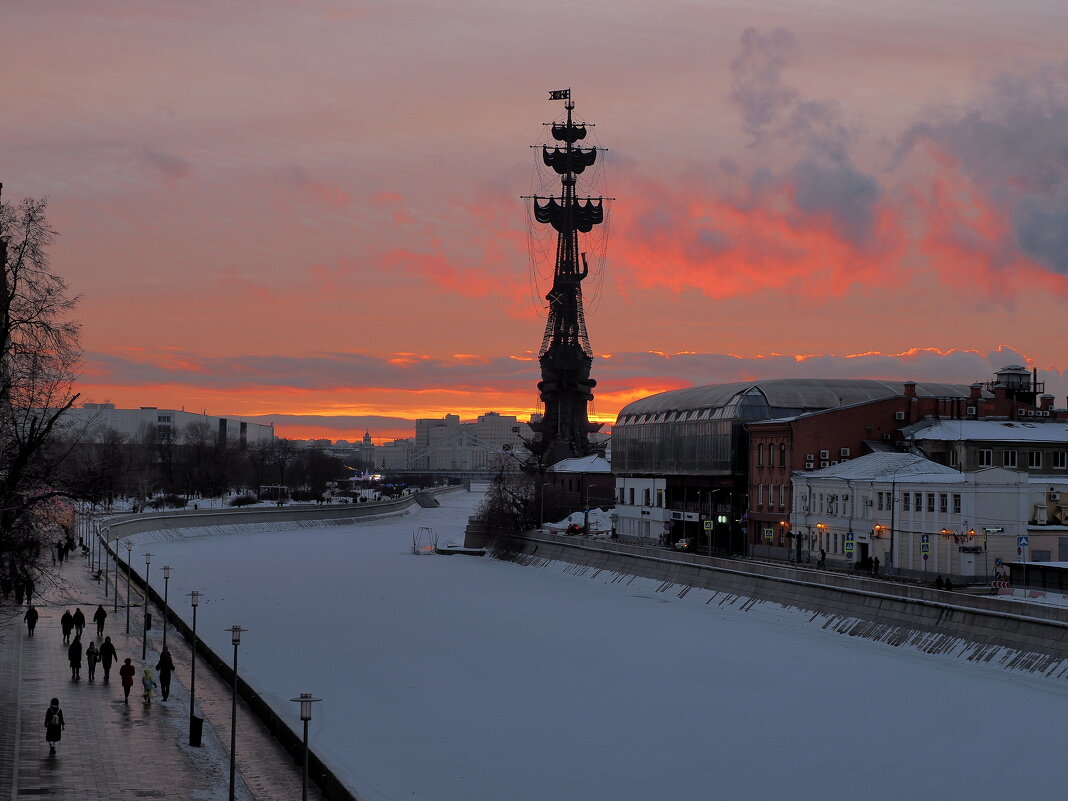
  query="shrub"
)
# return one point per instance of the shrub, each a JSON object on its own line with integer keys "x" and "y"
{"x": 243, "y": 500}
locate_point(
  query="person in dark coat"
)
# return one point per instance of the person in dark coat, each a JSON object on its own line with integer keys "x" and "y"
{"x": 875, "y": 566}
{"x": 99, "y": 616}
{"x": 92, "y": 656}
{"x": 165, "y": 666}
{"x": 127, "y": 673}
{"x": 79, "y": 621}
{"x": 31, "y": 618}
{"x": 108, "y": 654}
{"x": 54, "y": 725}
{"x": 67, "y": 622}
{"x": 949, "y": 585}
{"x": 74, "y": 654}
{"x": 938, "y": 583}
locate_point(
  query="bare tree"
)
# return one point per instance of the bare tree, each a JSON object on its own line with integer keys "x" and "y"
{"x": 39, "y": 357}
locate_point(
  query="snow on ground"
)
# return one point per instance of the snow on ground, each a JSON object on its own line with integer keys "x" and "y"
{"x": 456, "y": 678}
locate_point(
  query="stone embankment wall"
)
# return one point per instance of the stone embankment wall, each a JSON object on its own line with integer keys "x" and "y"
{"x": 979, "y": 628}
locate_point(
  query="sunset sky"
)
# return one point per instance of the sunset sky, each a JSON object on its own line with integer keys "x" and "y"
{"x": 310, "y": 211}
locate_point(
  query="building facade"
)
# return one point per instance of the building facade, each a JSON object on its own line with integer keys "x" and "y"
{"x": 151, "y": 425}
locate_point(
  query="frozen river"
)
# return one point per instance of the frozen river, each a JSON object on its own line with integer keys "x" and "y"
{"x": 464, "y": 679}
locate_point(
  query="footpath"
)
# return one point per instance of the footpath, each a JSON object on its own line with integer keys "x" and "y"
{"x": 110, "y": 751}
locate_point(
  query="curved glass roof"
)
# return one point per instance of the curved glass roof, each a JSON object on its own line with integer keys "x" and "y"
{"x": 775, "y": 397}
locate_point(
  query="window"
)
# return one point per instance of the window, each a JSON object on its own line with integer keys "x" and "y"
{"x": 760, "y": 494}
{"x": 943, "y": 503}
{"x": 646, "y": 494}
{"x": 956, "y": 503}
{"x": 782, "y": 495}
{"x": 1034, "y": 459}
{"x": 832, "y": 504}
{"x": 821, "y": 504}
{"x": 879, "y": 496}
{"x": 622, "y": 495}
{"x": 986, "y": 457}
{"x": 782, "y": 454}
{"x": 918, "y": 497}
{"x": 760, "y": 455}
{"x": 905, "y": 501}
{"x": 1009, "y": 459}
{"x": 632, "y": 496}
{"x": 930, "y": 501}
{"x": 954, "y": 460}
{"x": 1060, "y": 460}
{"x": 659, "y": 497}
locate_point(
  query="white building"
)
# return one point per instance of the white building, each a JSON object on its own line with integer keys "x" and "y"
{"x": 152, "y": 424}
{"x": 924, "y": 518}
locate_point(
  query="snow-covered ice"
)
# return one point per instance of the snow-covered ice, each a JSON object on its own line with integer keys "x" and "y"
{"x": 455, "y": 678}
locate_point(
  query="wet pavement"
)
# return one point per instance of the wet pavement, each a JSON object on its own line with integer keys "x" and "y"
{"x": 110, "y": 750}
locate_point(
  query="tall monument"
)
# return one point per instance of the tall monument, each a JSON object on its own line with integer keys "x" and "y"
{"x": 565, "y": 355}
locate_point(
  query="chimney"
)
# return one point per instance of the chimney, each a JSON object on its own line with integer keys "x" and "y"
{"x": 1000, "y": 392}
{"x": 976, "y": 391}
{"x": 910, "y": 389}
{"x": 1046, "y": 402}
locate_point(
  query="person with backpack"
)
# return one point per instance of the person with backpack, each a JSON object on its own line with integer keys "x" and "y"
{"x": 92, "y": 656}
{"x": 108, "y": 654}
{"x": 165, "y": 666}
{"x": 54, "y": 725}
{"x": 79, "y": 621}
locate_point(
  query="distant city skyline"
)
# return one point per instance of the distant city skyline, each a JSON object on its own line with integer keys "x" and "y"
{"x": 311, "y": 213}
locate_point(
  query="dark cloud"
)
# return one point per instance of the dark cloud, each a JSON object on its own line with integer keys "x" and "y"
{"x": 168, "y": 165}
{"x": 824, "y": 179}
{"x": 1012, "y": 145}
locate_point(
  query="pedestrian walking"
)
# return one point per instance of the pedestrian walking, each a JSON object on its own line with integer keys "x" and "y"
{"x": 938, "y": 583}
{"x": 31, "y": 618}
{"x": 60, "y": 552}
{"x": 148, "y": 683}
{"x": 67, "y": 624}
{"x": 875, "y": 566}
{"x": 949, "y": 585}
{"x": 74, "y": 654}
{"x": 92, "y": 656}
{"x": 54, "y": 725}
{"x": 54, "y": 555}
{"x": 165, "y": 666}
{"x": 127, "y": 673}
{"x": 99, "y": 616}
{"x": 108, "y": 654}
{"x": 822, "y": 563}
{"x": 79, "y": 621}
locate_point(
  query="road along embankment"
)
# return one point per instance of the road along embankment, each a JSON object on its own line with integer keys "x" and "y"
{"x": 1017, "y": 636}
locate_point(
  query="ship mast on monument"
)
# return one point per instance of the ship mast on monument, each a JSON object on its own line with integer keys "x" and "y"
{"x": 565, "y": 356}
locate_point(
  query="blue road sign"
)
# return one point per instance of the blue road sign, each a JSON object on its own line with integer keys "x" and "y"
{"x": 1021, "y": 541}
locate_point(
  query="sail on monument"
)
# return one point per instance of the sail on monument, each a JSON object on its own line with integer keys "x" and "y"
{"x": 566, "y": 388}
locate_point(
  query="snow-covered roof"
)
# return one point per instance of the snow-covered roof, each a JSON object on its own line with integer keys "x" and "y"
{"x": 583, "y": 464}
{"x": 992, "y": 431}
{"x": 875, "y": 466}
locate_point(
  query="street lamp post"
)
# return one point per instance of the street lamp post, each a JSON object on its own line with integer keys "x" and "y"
{"x": 305, "y": 700}
{"x": 235, "y": 633}
{"x": 129, "y": 556}
{"x": 104, "y": 546}
{"x": 166, "y": 608}
{"x": 194, "y": 599}
{"x": 144, "y": 629}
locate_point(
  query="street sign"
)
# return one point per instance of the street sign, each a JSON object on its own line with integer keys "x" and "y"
{"x": 925, "y": 549}
{"x": 925, "y": 538}
{"x": 998, "y": 563}
{"x": 1021, "y": 541}
{"x": 849, "y": 546}
{"x": 992, "y": 530}
{"x": 708, "y": 525}
{"x": 925, "y": 557}
{"x": 769, "y": 533}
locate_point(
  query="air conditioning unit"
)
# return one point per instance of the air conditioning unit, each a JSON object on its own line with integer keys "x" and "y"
{"x": 810, "y": 458}
{"x": 1045, "y": 414}
{"x": 867, "y": 501}
{"x": 825, "y": 454}
{"x": 825, "y": 463}
{"x": 1054, "y": 496}
{"x": 809, "y": 465}
{"x": 1030, "y": 412}
{"x": 1021, "y": 412}
{"x": 843, "y": 451}
{"x": 971, "y": 410}
{"x": 834, "y": 462}
{"x": 899, "y": 415}
{"x": 886, "y": 437}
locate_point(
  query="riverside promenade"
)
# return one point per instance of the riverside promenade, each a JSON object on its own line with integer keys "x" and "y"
{"x": 111, "y": 751}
